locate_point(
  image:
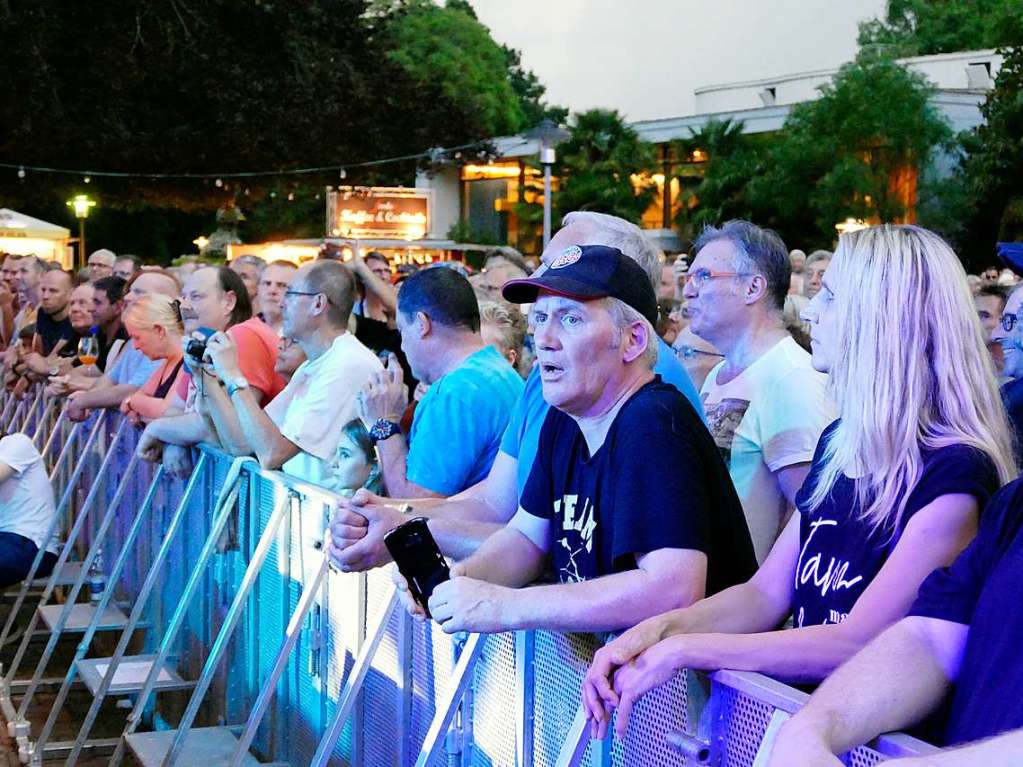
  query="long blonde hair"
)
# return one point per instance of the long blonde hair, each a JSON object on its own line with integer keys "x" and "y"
{"x": 910, "y": 372}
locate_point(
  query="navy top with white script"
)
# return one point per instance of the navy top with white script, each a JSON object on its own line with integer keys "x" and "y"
{"x": 839, "y": 553}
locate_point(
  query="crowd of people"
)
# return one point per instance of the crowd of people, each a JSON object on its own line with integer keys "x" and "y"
{"x": 749, "y": 458}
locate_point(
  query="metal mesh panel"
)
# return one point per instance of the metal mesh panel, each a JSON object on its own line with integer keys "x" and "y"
{"x": 560, "y": 662}
{"x": 432, "y": 662}
{"x": 341, "y": 640}
{"x": 381, "y": 711}
{"x": 745, "y": 721}
{"x": 864, "y": 757}
{"x": 493, "y": 730}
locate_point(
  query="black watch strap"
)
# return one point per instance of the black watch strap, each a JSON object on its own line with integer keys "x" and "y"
{"x": 383, "y": 429}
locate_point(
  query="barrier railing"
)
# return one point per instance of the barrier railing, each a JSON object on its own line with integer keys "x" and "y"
{"x": 254, "y": 651}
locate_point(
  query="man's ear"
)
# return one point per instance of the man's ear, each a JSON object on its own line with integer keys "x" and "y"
{"x": 756, "y": 290}
{"x": 637, "y": 339}
{"x": 424, "y": 325}
{"x": 231, "y": 300}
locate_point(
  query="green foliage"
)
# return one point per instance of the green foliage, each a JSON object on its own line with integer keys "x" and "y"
{"x": 448, "y": 48}
{"x": 721, "y": 190}
{"x": 595, "y": 165}
{"x": 839, "y": 153}
{"x": 924, "y": 27}
{"x": 463, "y": 231}
{"x": 982, "y": 201}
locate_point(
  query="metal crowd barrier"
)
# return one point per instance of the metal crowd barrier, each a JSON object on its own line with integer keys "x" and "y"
{"x": 238, "y": 645}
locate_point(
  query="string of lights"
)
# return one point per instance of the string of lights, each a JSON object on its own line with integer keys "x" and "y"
{"x": 436, "y": 154}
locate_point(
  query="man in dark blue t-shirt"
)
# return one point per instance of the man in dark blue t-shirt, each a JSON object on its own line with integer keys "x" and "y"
{"x": 628, "y": 497}
{"x": 963, "y": 631}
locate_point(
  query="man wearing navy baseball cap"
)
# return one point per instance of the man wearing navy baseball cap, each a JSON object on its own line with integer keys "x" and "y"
{"x": 628, "y": 497}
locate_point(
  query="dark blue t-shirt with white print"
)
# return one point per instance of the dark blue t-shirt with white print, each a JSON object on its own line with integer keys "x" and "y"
{"x": 657, "y": 481}
{"x": 839, "y": 552}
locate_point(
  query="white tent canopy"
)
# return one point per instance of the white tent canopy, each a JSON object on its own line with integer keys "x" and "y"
{"x": 25, "y": 235}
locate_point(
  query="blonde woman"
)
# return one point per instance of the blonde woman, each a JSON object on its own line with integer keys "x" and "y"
{"x": 154, "y": 324}
{"x": 894, "y": 491}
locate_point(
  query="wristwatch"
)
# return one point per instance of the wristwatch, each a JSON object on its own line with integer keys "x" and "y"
{"x": 383, "y": 429}
{"x": 235, "y": 384}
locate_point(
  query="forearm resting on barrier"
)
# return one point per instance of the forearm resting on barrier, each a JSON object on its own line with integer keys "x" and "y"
{"x": 104, "y": 394}
{"x": 893, "y": 683}
{"x": 184, "y": 430}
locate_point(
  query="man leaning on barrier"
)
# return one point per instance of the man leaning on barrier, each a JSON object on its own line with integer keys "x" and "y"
{"x": 628, "y": 498}
{"x": 300, "y": 429}
{"x": 461, "y": 523}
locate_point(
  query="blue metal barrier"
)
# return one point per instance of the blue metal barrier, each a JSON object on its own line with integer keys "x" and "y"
{"x": 310, "y": 666}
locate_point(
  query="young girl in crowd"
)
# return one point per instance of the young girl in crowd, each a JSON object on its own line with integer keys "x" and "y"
{"x": 894, "y": 490}
{"x": 355, "y": 462}
{"x": 154, "y": 324}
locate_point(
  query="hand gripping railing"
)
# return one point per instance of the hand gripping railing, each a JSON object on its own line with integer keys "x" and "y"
{"x": 216, "y": 529}
{"x": 64, "y": 555}
{"x": 234, "y": 613}
{"x": 228, "y": 494}
{"x": 141, "y": 517}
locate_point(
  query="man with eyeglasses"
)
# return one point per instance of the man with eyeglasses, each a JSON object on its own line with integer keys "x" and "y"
{"x": 1009, "y": 334}
{"x": 300, "y": 429}
{"x": 766, "y": 406}
{"x": 500, "y": 266}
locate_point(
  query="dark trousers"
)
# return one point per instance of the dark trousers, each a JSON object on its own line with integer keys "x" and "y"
{"x": 16, "y": 555}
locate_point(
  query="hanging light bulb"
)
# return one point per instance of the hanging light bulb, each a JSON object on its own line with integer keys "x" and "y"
{"x": 21, "y": 173}
{"x": 218, "y": 183}
{"x": 342, "y": 174}
{"x": 291, "y": 196}
{"x": 87, "y": 179}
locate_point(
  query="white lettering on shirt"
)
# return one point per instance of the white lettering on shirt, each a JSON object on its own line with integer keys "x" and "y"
{"x": 834, "y": 578}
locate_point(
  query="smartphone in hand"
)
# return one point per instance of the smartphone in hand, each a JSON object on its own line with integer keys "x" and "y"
{"x": 418, "y": 558}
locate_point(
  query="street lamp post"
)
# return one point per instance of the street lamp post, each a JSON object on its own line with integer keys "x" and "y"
{"x": 81, "y": 204}
{"x": 549, "y": 135}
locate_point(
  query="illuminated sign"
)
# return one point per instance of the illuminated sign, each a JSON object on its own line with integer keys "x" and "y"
{"x": 380, "y": 212}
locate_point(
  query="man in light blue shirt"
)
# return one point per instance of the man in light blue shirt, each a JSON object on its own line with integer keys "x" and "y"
{"x": 462, "y": 522}
{"x": 458, "y": 425}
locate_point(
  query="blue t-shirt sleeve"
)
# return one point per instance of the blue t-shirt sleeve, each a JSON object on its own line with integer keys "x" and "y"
{"x": 537, "y": 494}
{"x": 513, "y": 433}
{"x": 951, "y": 593}
{"x": 671, "y": 372}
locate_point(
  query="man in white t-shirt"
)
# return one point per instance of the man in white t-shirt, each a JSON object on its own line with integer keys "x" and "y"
{"x": 300, "y": 429}
{"x": 765, "y": 404}
{"x": 27, "y": 510}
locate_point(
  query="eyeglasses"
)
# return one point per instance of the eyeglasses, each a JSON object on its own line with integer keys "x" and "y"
{"x": 289, "y": 293}
{"x": 1008, "y": 322}
{"x": 689, "y": 352}
{"x": 702, "y": 276}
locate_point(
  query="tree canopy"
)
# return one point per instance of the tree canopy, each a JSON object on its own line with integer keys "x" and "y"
{"x": 596, "y": 164}
{"x": 925, "y": 27}
{"x": 211, "y": 86}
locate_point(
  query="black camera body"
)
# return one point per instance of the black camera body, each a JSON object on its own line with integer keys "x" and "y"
{"x": 196, "y": 348}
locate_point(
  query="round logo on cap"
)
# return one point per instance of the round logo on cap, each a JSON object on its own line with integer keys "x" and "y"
{"x": 568, "y": 256}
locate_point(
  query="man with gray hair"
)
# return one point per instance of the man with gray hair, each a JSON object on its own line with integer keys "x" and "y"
{"x": 300, "y": 429}
{"x": 766, "y": 406}
{"x": 461, "y": 522}
{"x": 621, "y": 553}
{"x": 101, "y": 264}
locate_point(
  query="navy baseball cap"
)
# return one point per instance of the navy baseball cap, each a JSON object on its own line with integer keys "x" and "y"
{"x": 587, "y": 272}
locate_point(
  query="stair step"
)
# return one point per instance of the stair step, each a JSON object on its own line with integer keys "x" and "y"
{"x": 81, "y": 617}
{"x": 130, "y": 675}
{"x": 206, "y": 746}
